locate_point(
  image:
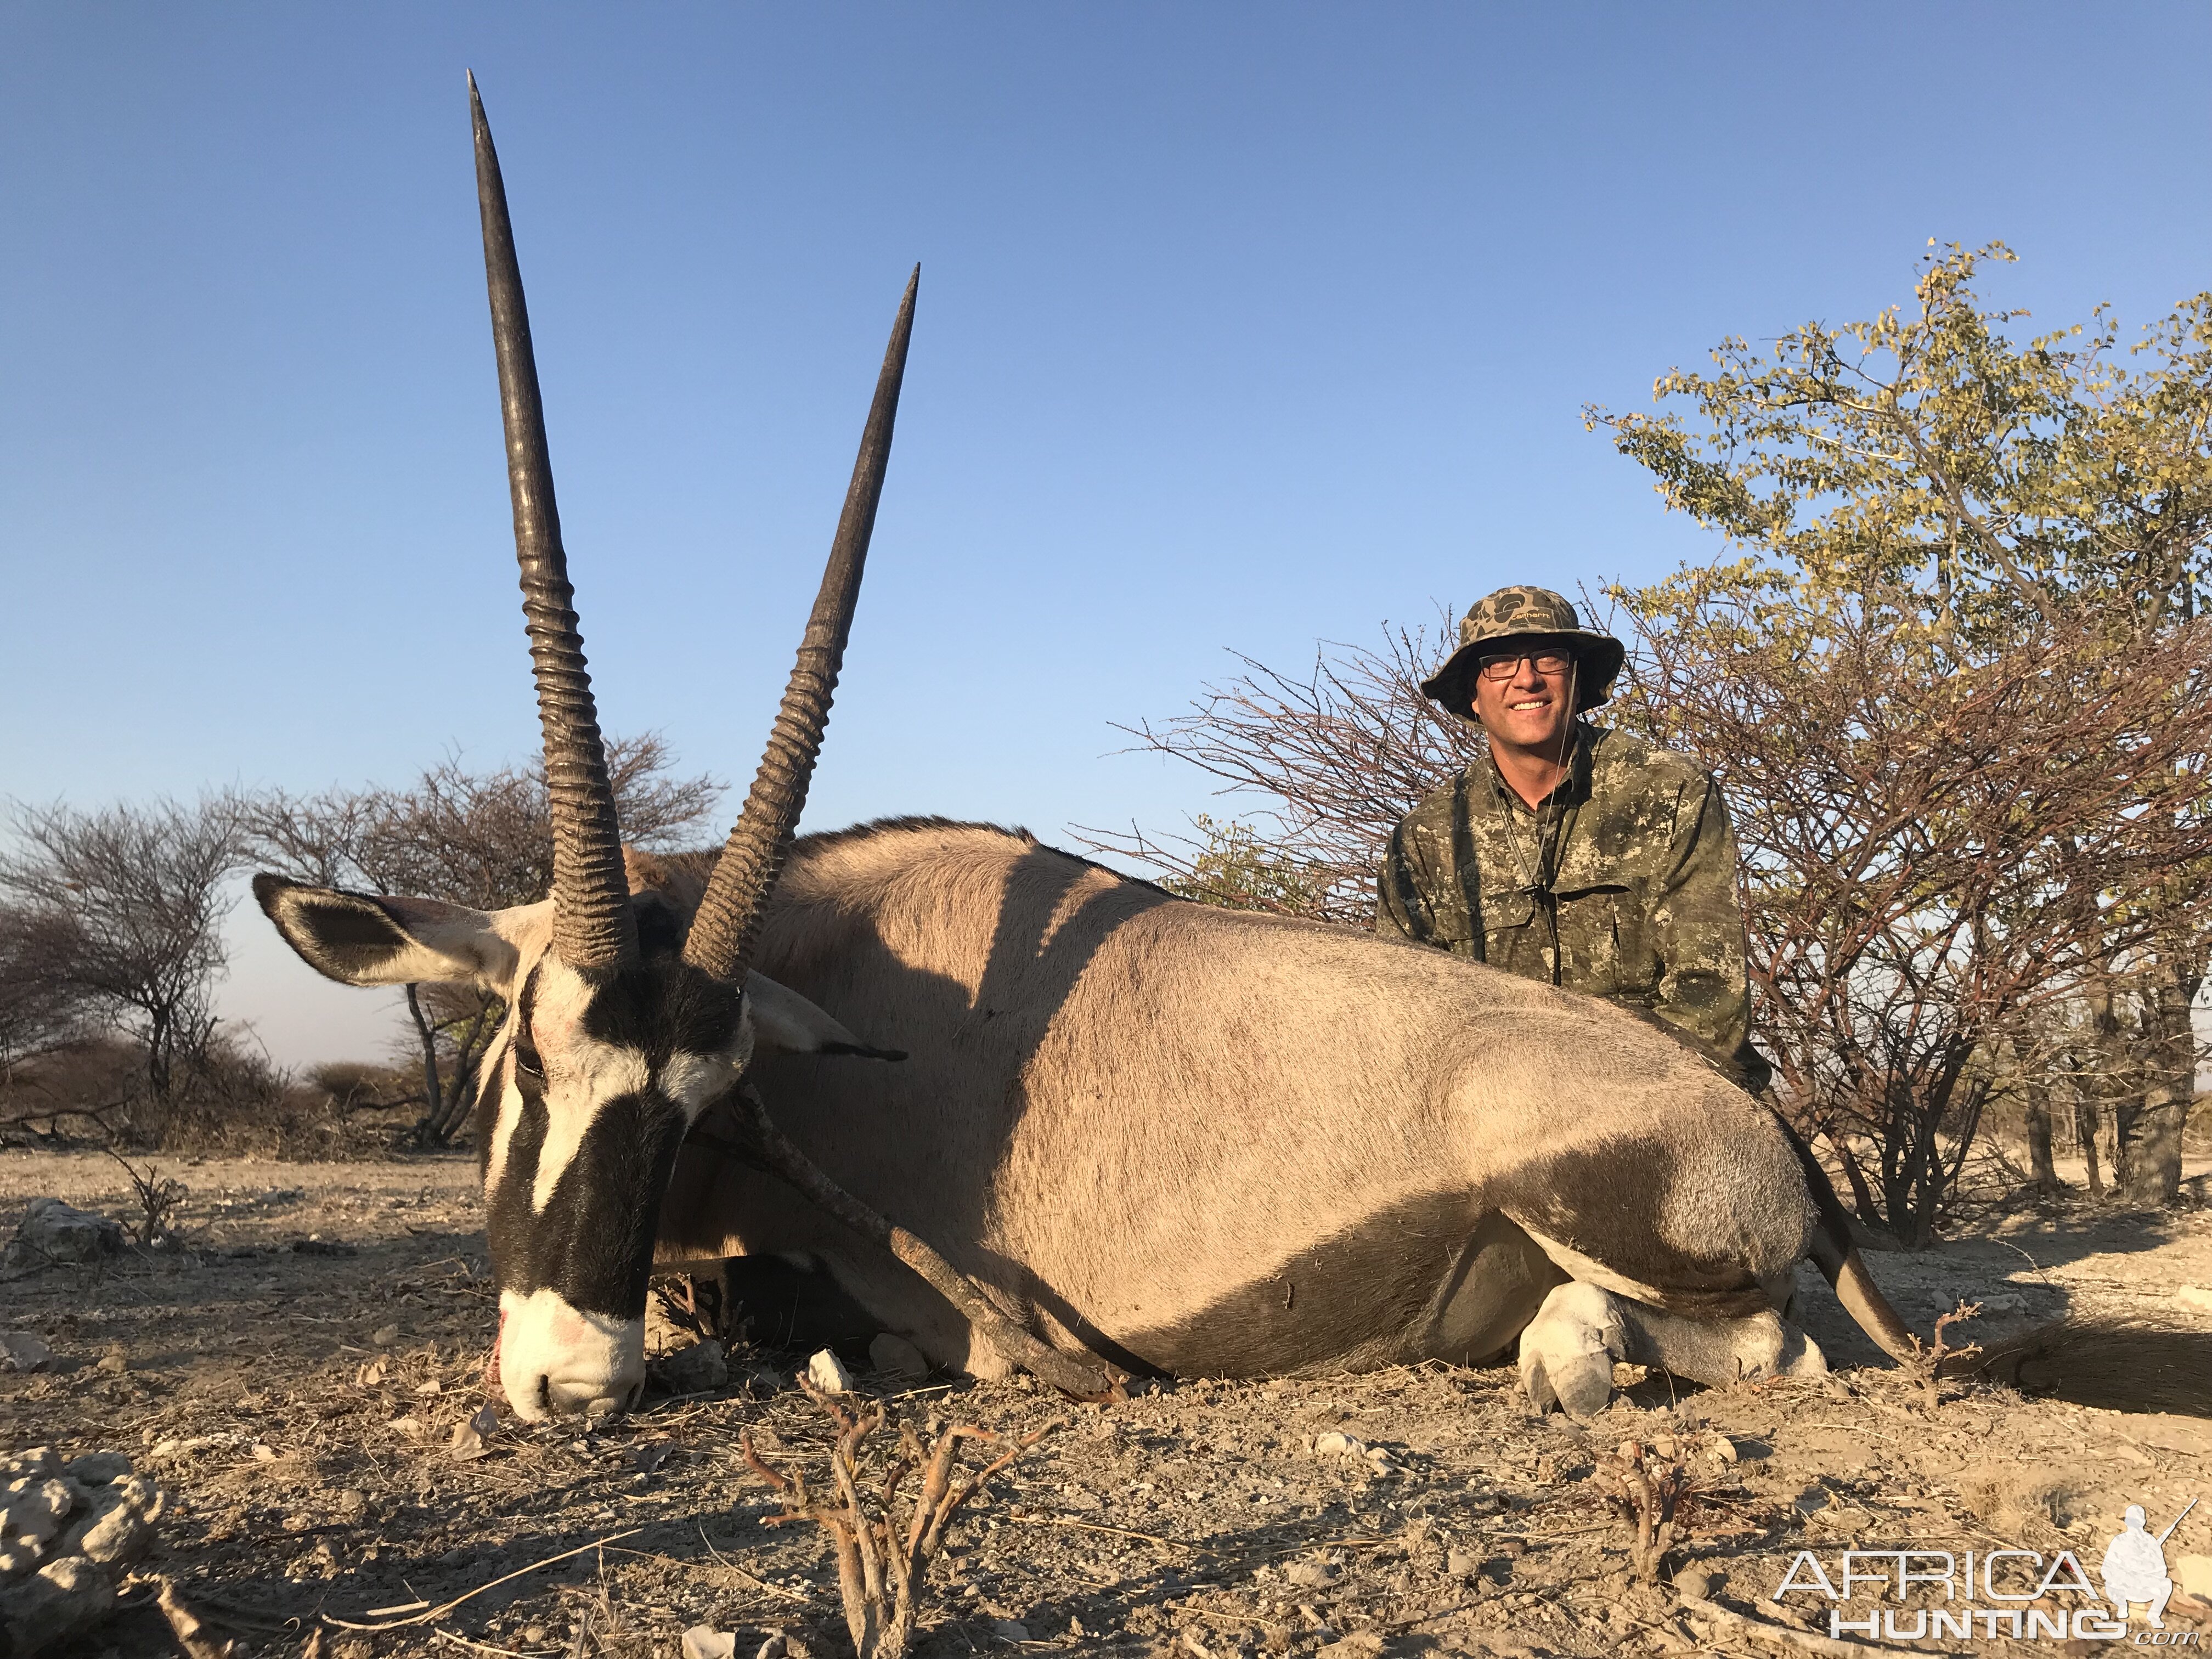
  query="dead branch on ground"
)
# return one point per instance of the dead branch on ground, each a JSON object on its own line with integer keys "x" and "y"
{"x": 1645, "y": 1494}
{"x": 884, "y": 1553}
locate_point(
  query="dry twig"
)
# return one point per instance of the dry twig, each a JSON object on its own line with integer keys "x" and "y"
{"x": 1926, "y": 1367}
{"x": 884, "y": 1556}
{"x": 1643, "y": 1493}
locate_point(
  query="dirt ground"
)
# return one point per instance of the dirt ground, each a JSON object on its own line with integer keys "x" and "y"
{"x": 295, "y": 1376}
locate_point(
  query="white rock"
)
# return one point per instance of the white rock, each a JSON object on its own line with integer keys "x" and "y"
{"x": 61, "y": 1600}
{"x": 35, "y": 1510}
{"x": 894, "y": 1356}
{"x": 704, "y": 1641}
{"x": 2198, "y": 1298}
{"x": 98, "y": 1468}
{"x": 827, "y": 1373}
{"x": 54, "y": 1231}
{"x": 2193, "y": 1573}
{"x": 36, "y": 1464}
{"x": 121, "y": 1524}
{"x": 21, "y": 1352}
{"x": 1334, "y": 1443}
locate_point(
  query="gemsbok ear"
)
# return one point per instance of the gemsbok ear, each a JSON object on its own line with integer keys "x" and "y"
{"x": 786, "y": 1023}
{"x": 358, "y": 938}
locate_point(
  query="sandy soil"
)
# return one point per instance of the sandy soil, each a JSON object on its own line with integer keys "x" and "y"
{"x": 295, "y": 1374}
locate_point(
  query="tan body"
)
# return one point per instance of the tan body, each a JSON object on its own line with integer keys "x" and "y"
{"x": 1214, "y": 1143}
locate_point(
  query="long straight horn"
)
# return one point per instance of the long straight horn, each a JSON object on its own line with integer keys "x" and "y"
{"x": 729, "y": 919}
{"x": 593, "y": 924}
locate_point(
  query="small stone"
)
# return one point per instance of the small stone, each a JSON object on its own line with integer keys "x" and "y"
{"x": 533, "y": 1632}
{"x": 264, "y": 1454}
{"x": 352, "y": 1502}
{"x": 695, "y": 1370}
{"x": 1313, "y": 1575}
{"x": 1699, "y": 1583}
{"x": 1006, "y": 1629}
{"x": 704, "y": 1641}
{"x": 21, "y": 1352}
{"x": 1357, "y": 1645}
{"x": 892, "y": 1355}
{"x": 827, "y": 1374}
{"x": 384, "y": 1336}
{"x": 1722, "y": 1447}
{"x": 1462, "y": 1563}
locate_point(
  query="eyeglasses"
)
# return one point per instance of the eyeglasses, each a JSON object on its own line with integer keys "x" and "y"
{"x": 1502, "y": 665}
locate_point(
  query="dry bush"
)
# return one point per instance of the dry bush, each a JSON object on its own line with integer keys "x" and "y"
{"x": 884, "y": 1553}
{"x": 232, "y": 1100}
{"x": 1643, "y": 1488}
{"x": 2015, "y": 1500}
{"x": 483, "y": 839}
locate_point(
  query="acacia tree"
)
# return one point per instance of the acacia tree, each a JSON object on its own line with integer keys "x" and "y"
{"x": 1937, "y": 844}
{"x": 119, "y": 912}
{"x": 1999, "y": 497}
{"x": 483, "y": 839}
{"x": 1332, "y": 760}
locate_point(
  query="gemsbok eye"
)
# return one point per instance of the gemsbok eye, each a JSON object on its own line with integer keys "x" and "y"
{"x": 525, "y": 1058}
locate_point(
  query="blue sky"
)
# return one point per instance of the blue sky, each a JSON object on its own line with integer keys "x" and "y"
{"x": 1241, "y": 327}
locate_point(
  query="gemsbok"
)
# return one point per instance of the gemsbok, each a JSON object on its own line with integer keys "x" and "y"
{"x": 1029, "y": 1112}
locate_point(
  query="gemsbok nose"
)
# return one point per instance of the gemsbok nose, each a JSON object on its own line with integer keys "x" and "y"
{"x": 556, "y": 1361}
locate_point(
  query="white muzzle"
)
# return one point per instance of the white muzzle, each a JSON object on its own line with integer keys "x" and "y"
{"x": 556, "y": 1361}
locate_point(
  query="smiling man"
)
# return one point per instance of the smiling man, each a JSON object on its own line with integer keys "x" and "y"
{"x": 1573, "y": 853}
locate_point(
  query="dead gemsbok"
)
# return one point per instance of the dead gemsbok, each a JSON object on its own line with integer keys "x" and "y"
{"x": 1145, "y": 1134}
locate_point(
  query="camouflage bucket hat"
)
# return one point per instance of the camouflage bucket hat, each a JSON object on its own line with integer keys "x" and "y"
{"x": 1533, "y": 614}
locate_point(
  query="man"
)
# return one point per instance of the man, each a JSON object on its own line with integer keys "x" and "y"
{"x": 2135, "y": 1569}
{"x": 1573, "y": 852}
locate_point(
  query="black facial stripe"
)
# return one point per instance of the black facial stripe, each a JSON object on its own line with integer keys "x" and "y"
{"x": 663, "y": 1009}
{"x": 593, "y": 1243}
{"x": 660, "y": 929}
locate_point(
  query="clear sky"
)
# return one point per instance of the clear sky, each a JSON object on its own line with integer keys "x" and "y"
{"x": 1241, "y": 326}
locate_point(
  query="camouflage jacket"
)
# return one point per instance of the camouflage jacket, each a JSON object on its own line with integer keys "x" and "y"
{"x": 1623, "y": 885}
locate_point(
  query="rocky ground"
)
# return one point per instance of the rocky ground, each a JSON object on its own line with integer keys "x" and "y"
{"x": 295, "y": 1375}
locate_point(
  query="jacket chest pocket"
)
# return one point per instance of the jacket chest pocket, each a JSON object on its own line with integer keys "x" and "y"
{"x": 1601, "y": 943}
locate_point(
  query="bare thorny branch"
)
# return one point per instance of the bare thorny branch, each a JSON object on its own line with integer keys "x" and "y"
{"x": 885, "y": 1550}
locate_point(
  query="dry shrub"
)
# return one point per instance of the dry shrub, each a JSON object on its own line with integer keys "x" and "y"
{"x": 2012, "y": 1498}
{"x": 231, "y": 1100}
